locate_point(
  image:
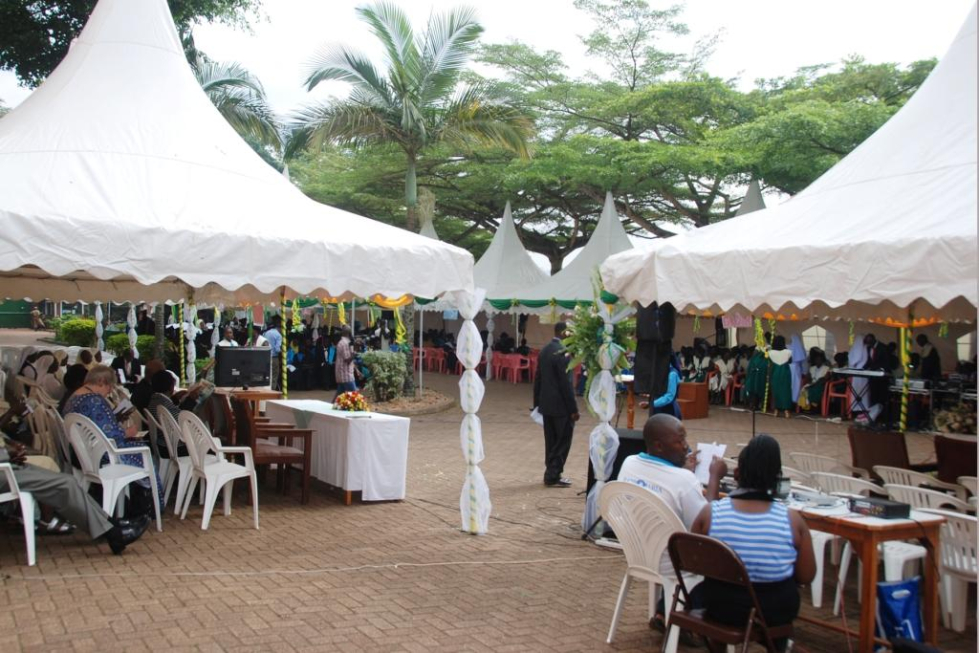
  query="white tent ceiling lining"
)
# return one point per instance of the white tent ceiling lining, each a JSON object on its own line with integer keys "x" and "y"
{"x": 891, "y": 227}
{"x": 122, "y": 179}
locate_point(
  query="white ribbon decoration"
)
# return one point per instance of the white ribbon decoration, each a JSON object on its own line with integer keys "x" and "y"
{"x": 474, "y": 501}
{"x": 215, "y": 332}
{"x": 190, "y": 333}
{"x": 131, "y": 323}
{"x": 603, "y": 442}
{"x": 99, "y": 345}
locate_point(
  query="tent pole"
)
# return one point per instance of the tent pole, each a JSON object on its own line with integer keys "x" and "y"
{"x": 421, "y": 341}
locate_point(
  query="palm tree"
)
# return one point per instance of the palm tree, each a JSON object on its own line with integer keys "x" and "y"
{"x": 240, "y": 98}
{"x": 417, "y": 102}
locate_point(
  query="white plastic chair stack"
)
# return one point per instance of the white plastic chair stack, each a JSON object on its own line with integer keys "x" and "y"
{"x": 162, "y": 464}
{"x": 215, "y": 474}
{"x": 61, "y": 436}
{"x": 919, "y": 497}
{"x": 895, "y": 554}
{"x": 643, "y": 524}
{"x": 179, "y": 467}
{"x": 958, "y": 556}
{"x": 90, "y": 445}
{"x": 901, "y": 476}
{"x": 26, "y": 500}
{"x": 810, "y": 462}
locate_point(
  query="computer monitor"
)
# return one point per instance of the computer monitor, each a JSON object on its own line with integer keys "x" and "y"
{"x": 240, "y": 367}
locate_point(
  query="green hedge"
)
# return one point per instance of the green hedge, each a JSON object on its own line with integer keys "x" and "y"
{"x": 118, "y": 344}
{"x": 78, "y": 331}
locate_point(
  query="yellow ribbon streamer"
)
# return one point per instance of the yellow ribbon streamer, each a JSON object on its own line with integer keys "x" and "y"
{"x": 399, "y": 330}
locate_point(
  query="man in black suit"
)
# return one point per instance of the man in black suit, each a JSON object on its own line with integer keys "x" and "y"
{"x": 554, "y": 399}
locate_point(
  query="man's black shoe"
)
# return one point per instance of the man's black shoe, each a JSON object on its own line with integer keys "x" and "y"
{"x": 561, "y": 482}
{"x": 119, "y": 537}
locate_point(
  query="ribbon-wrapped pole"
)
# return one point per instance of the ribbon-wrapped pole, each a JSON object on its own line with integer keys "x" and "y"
{"x": 490, "y": 325}
{"x": 906, "y": 366}
{"x": 99, "y": 344}
{"x": 283, "y": 371}
{"x": 131, "y": 330}
{"x": 215, "y": 332}
{"x": 474, "y": 502}
{"x": 191, "y": 335}
{"x": 603, "y": 442}
{"x": 179, "y": 309}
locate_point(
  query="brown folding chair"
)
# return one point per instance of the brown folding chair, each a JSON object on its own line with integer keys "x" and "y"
{"x": 712, "y": 559}
{"x": 252, "y": 434}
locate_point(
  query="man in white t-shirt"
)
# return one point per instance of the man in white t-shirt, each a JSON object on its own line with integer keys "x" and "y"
{"x": 666, "y": 467}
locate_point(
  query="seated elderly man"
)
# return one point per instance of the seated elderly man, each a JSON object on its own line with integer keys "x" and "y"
{"x": 65, "y": 496}
{"x": 666, "y": 469}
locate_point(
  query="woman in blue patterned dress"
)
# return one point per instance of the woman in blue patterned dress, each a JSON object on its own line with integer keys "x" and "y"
{"x": 90, "y": 401}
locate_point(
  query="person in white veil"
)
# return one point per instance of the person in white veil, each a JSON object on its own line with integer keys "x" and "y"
{"x": 798, "y": 365}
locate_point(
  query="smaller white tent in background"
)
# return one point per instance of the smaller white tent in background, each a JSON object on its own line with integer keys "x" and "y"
{"x": 753, "y": 201}
{"x": 505, "y": 267}
{"x": 574, "y": 281}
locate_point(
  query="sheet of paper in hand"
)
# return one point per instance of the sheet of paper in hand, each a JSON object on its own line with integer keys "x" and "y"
{"x": 705, "y": 455}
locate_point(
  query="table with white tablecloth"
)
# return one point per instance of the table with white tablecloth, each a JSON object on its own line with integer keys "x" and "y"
{"x": 354, "y": 451}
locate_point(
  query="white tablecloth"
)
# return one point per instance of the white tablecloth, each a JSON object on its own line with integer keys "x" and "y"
{"x": 354, "y": 451}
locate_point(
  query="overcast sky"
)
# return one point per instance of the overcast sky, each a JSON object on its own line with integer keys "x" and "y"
{"x": 762, "y": 38}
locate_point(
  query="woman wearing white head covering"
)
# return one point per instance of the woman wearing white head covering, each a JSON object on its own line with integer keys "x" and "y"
{"x": 47, "y": 375}
{"x": 798, "y": 368}
{"x": 24, "y": 367}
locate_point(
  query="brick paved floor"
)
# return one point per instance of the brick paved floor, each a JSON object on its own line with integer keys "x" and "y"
{"x": 373, "y": 577}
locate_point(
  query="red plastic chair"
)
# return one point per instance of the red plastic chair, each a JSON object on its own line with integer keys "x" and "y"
{"x": 518, "y": 365}
{"x": 833, "y": 391}
{"x": 735, "y": 384}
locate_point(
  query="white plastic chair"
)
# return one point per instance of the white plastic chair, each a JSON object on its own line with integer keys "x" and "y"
{"x": 919, "y": 497}
{"x": 179, "y": 469}
{"x": 969, "y": 483}
{"x": 162, "y": 464}
{"x": 958, "y": 556}
{"x": 90, "y": 444}
{"x": 810, "y": 462}
{"x": 643, "y": 523}
{"x": 796, "y": 476}
{"x": 894, "y": 554}
{"x": 61, "y": 436}
{"x": 901, "y": 476}
{"x": 215, "y": 474}
{"x": 26, "y": 500}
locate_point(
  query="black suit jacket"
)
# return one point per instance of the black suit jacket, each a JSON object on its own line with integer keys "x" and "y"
{"x": 553, "y": 388}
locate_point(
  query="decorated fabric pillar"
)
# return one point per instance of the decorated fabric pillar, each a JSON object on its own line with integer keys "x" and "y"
{"x": 474, "y": 501}
{"x": 603, "y": 443}
{"x": 490, "y": 325}
{"x": 179, "y": 310}
{"x": 99, "y": 344}
{"x": 215, "y": 332}
{"x": 283, "y": 372}
{"x": 906, "y": 367}
{"x": 131, "y": 328}
{"x": 190, "y": 334}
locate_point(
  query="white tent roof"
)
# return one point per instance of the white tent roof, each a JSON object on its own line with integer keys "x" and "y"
{"x": 505, "y": 268}
{"x": 893, "y": 223}
{"x": 574, "y": 281}
{"x": 122, "y": 182}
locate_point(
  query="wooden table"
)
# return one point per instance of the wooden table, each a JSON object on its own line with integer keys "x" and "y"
{"x": 253, "y": 397}
{"x": 864, "y": 534}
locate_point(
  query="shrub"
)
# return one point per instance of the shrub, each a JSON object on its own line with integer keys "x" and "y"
{"x": 78, "y": 331}
{"x": 388, "y": 373}
{"x": 117, "y": 345}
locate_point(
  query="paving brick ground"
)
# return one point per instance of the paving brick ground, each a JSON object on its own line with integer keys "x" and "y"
{"x": 373, "y": 577}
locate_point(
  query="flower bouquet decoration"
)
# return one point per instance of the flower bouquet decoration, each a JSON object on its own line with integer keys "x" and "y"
{"x": 351, "y": 401}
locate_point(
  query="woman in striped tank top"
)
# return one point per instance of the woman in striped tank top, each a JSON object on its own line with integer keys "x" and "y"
{"x": 772, "y": 541}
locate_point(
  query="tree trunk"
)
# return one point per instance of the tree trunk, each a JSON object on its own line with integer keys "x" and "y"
{"x": 411, "y": 196}
{"x": 159, "y": 329}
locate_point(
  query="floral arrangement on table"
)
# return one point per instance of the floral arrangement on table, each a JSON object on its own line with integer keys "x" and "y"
{"x": 351, "y": 401}
{"x": 961, "y": 419}
{"x": 587, "y": 334}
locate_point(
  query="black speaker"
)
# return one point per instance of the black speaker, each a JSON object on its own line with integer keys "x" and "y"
{"x": 630, "y": 444}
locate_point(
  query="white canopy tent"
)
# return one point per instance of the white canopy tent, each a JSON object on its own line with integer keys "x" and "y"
{"x": 891, "y": 229}
{"x": 122, "y": 182}
{"x": 753, "y": 201}
{"x": 574, "y": 282}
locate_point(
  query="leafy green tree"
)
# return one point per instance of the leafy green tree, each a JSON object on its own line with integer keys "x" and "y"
{"x": 35, "y": 34}
{"x": 418, "y": 101}
{"x": 240, "y": 98}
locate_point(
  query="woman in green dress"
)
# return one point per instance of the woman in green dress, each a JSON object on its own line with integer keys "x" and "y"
{"x": 781, "y": 380}
{"x": 812, "y": 393}
{"x": 756, "y": 375}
